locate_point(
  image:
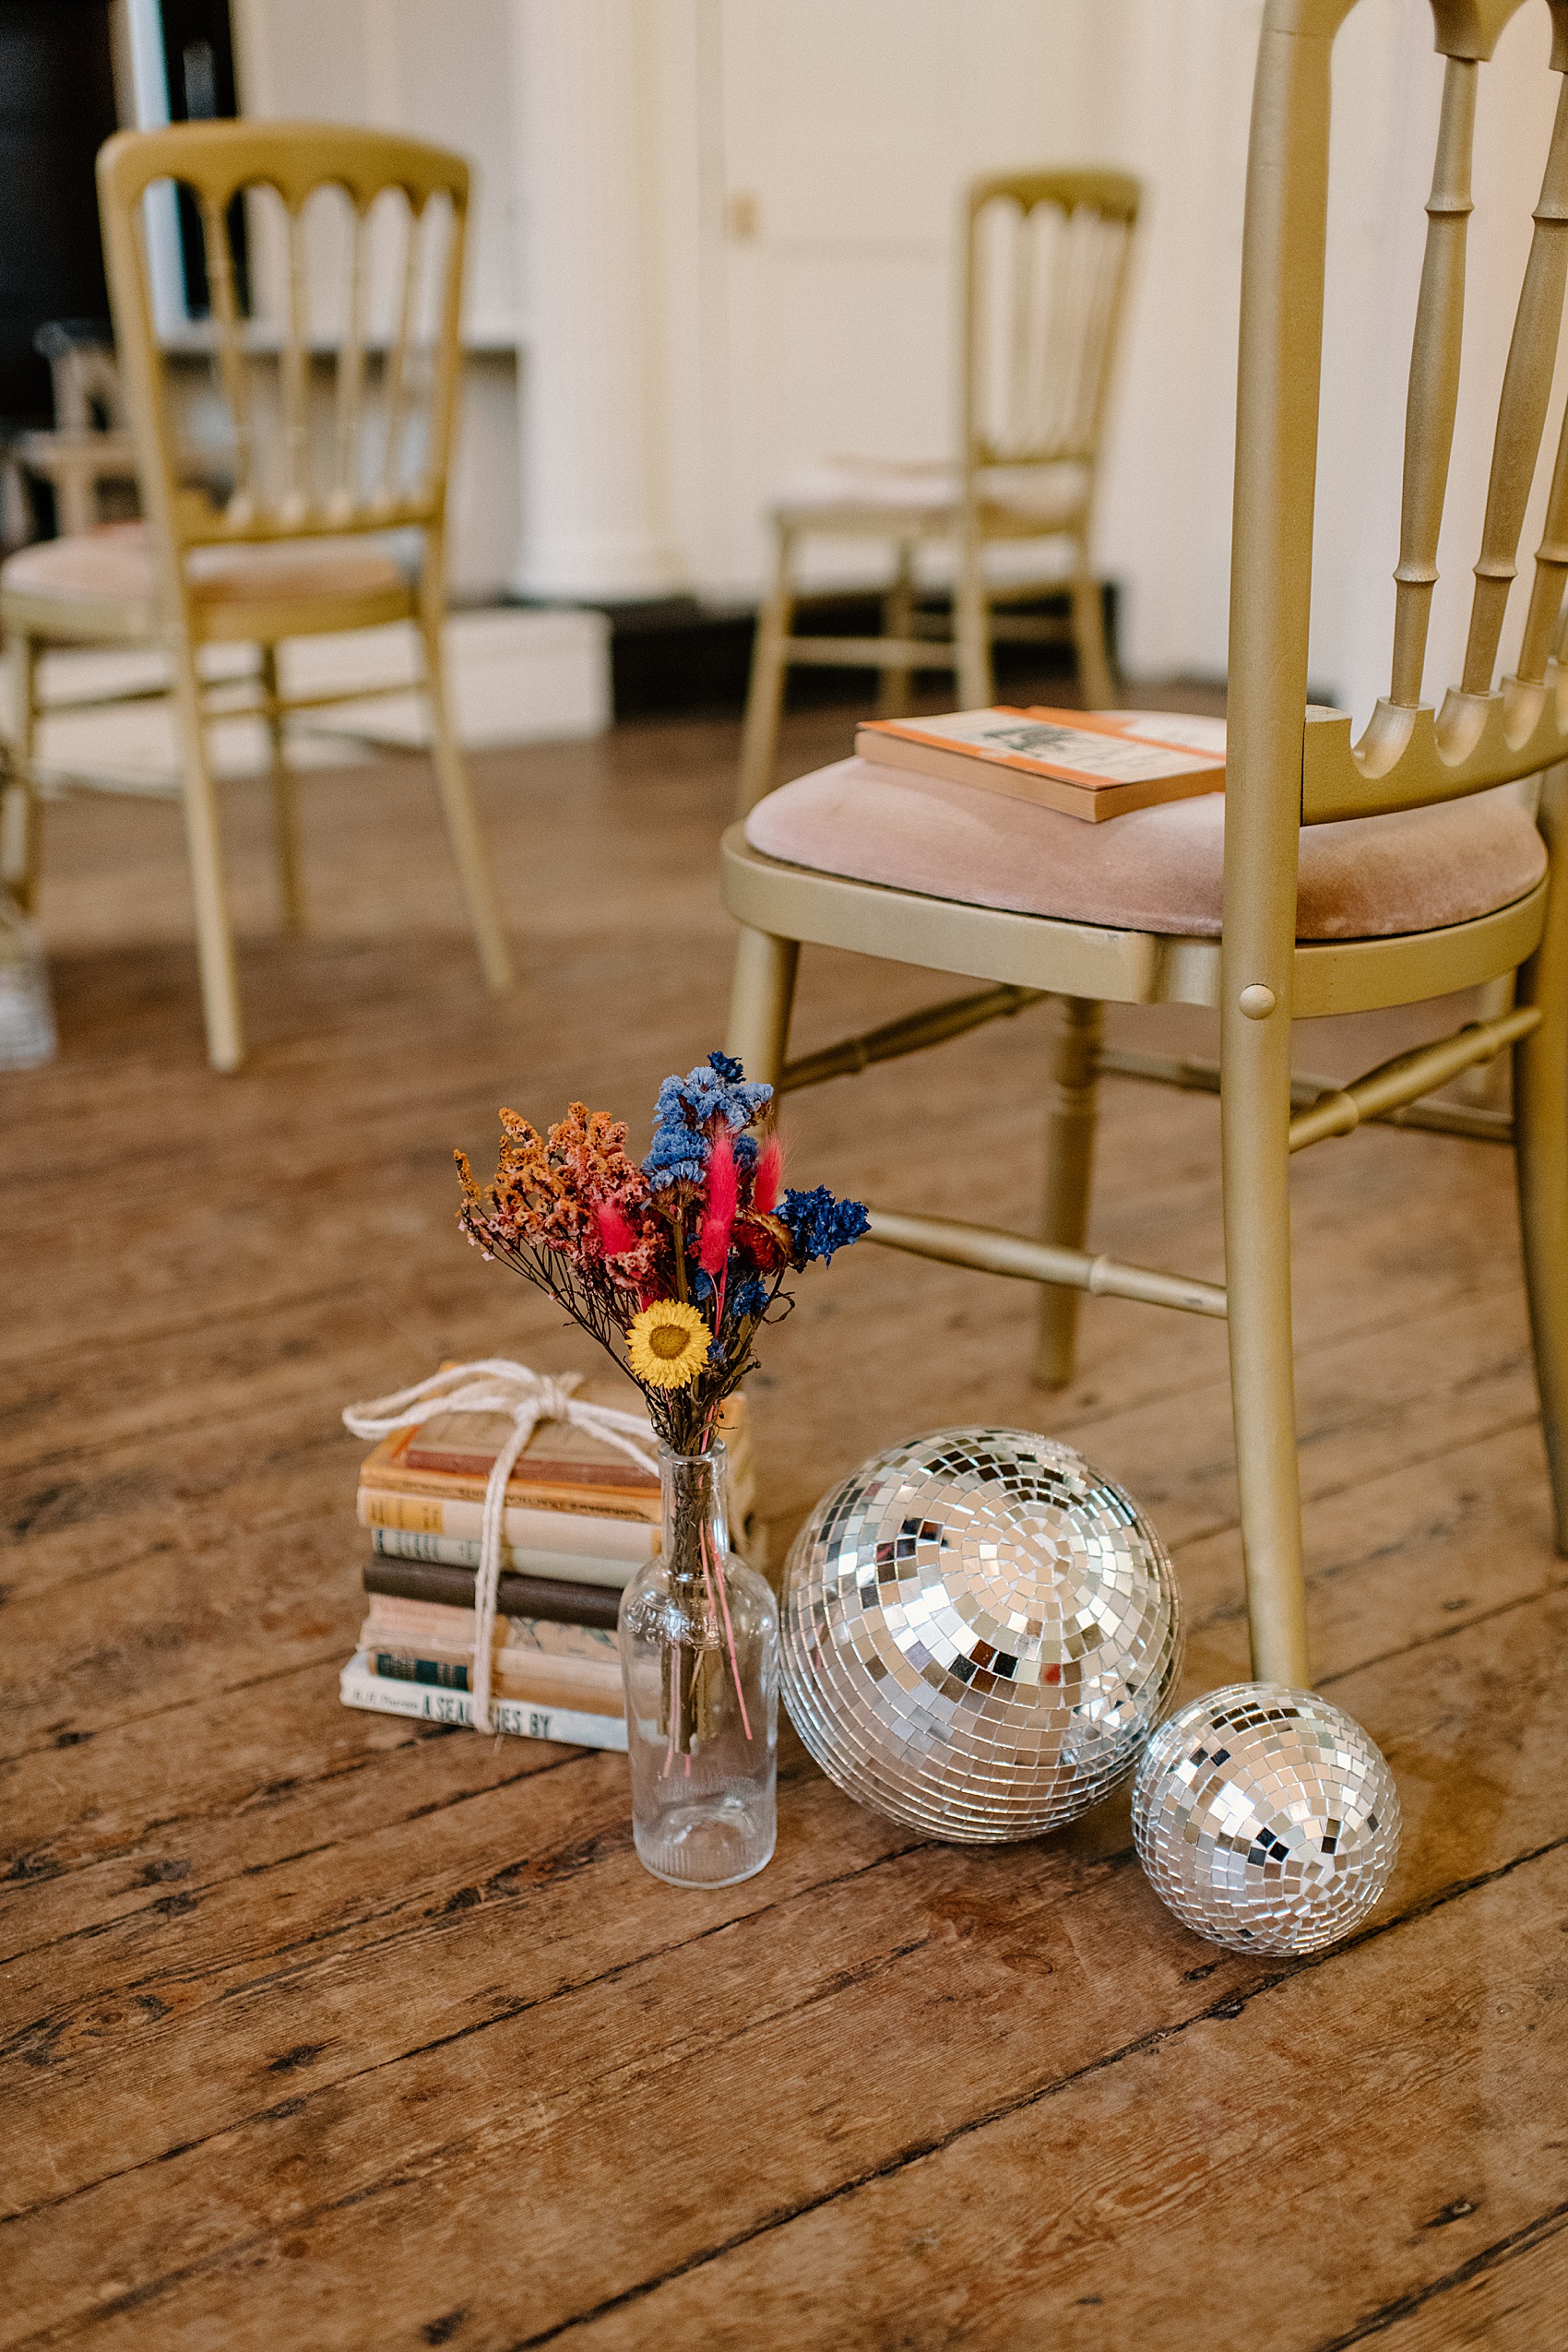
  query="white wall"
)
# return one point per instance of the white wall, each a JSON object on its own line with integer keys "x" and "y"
{"x": 714, "y": 239}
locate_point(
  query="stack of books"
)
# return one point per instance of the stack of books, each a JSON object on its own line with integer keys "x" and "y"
{"x": 581, "y": 1518}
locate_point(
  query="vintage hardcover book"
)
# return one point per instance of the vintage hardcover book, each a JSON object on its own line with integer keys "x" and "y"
{"x": 385, "y": 1471}
{"x": 462, "y": 1551}
{"x": 594, "y": 1688}
{"x": 392, "y": 1620}
{"x": 585, "y": 1548}
{"x": 559, "y": 1453}
{"x": 555, "y": 1598}
{"x": 358, "y": 1685}
{"x": 1087, "y": 763}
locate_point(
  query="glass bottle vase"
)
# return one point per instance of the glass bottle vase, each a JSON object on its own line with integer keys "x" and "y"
{"x": 700, "y": 1654}
{"x": 27, "y": 1017}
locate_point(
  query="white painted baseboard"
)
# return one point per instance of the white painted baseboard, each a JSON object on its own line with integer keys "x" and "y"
{"x": 515, "y": 675}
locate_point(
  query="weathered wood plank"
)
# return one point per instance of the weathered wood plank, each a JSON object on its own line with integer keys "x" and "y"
{"x": 816, "y": 2039}
{"x": 94, "y": 1826}
{"x": 1299, "y": 2172}
{"x": 1513, "y": 2298}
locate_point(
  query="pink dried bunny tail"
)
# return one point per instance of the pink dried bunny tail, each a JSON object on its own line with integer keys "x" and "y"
{"x": 723, "y": 1196}
{"x": 769, "y": 1171}
{"x": 615, "y": 1235}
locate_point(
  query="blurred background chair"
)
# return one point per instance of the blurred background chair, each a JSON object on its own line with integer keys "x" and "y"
{"x": 1330, "y": 877}
{"x": 87, "y": 458}
{"x": 333, "y": 511}
{"x": 1044, "y": 272}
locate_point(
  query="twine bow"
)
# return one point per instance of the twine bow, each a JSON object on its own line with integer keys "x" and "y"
{"x": 494, "y": 1384}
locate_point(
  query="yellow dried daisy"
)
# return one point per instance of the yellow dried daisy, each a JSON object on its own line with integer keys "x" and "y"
{"x": 668, "y": 1343}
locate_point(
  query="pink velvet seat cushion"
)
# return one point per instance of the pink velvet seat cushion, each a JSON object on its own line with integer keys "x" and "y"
{"x": 1155, "y": 870}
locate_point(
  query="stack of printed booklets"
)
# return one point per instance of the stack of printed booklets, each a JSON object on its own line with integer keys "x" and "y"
{"x": 581, "y": 1518}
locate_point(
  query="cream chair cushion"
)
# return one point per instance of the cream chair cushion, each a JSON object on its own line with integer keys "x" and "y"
{"x": 1155, "y": 870}
{"x": 115, "y": 563}
{"x": 865, "y": 494}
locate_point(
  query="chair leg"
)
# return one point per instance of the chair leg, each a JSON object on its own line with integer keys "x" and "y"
{"x": 285, "y": 802}
{"x": 462, "y": 822}
{"x": 1540, "y": 1133}
{"x": 765, "y": 697}
{"x": 215, "y": 945}
{"x": 1088, "y": 637}
{"x": 20, "y": 813}
{"x": 1487, "y": 1084}
{"x": 1068, "y": 1162}
{"x": 899, "y": 621}
{"x": 1255, "y": 1120}
{"x": 971, "y": 627}
{"x": 760, "y": 1001}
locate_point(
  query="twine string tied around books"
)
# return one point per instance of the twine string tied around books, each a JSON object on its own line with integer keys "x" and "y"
{"x": 495, "y": 1384}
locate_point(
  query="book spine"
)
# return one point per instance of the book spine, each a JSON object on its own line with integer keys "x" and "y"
{"x": 594, "y": 1543}
{"x": 561, "y": 1506}
{"x": 518, "y": 1567}
{"x": 360, "y": 1686}
{"x": 563, "y": 1600}
{"x": 393, "y": 1624}
{"x": 437, "y": 1672}
{"x": 531, "y": 1678}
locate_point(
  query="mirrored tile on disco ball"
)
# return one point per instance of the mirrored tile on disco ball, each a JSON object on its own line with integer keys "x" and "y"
{"x": 979, "y": 1633}
{"x": 1266, "y": 1818}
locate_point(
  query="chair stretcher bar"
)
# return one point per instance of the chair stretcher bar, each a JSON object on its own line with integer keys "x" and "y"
{"x": 990, "y": 1251}
{"x": 1398, "y": 1082}
{"x": 908, "y": 1035}
{"x": 873, "y": 653}
{"x": 1203, "y": 1077}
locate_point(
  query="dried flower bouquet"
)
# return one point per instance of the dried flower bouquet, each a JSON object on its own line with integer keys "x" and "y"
{"x": 672, "y": 1265}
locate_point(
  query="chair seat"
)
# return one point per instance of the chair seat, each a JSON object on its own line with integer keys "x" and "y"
{"x": 870, "y": 494}
{"x": 1158, "y": 869}
{"x": 104, "y": 581}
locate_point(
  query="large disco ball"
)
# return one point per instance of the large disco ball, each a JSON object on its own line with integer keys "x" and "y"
{"x": 979, "y": 1634}
{"x": 1266, "y": 1818}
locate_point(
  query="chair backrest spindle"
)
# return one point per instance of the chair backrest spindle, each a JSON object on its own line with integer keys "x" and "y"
{"x": 397, "y": 360}
{"x": 1521, "y": 416}
{"x": 1435, "y": 379}
{"x": 1308, "y": 769}
{"x": 295, "y": 362}
{"x": 233, "y": 373}
{"x": 351, "y": 373}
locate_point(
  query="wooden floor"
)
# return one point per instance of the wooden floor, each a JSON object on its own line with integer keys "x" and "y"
{"x": 323, "y": 2031}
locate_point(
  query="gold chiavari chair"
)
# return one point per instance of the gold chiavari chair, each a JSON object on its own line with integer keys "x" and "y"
{"x": 1332, "y": 876}
{"x": 1045, "y": 271}
{"x": 299, "y": 541}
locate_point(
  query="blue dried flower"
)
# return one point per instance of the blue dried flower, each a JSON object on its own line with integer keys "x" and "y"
{"x": 819, "y": 1224}
{"x": 688, "y": 1109}
{"x": 747, "y": 1298}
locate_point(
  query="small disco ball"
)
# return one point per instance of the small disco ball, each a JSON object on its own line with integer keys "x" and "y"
{"x": 1266, "y": 1818}
{"x": 979, "y": 1633}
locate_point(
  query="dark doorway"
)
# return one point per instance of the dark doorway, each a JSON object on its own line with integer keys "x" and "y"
{"x": 199, "y": 61}
{"x": 56, "y": 109}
